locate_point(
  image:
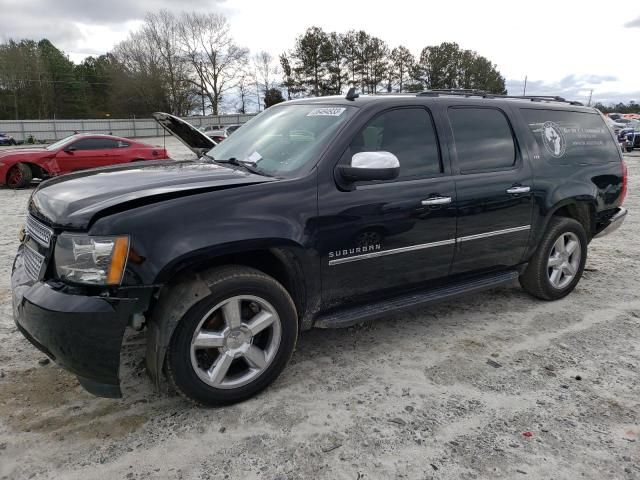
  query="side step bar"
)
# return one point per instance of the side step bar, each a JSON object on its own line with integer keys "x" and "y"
{"x": 371, "y": 311}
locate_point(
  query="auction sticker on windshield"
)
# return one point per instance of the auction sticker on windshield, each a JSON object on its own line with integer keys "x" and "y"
{"x": 326, "y": 112}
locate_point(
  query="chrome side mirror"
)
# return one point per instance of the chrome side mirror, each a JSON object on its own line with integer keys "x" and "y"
{"x": 367, "y": 166}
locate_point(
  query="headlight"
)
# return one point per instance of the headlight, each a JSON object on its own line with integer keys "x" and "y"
{"x": 91, "y": 260}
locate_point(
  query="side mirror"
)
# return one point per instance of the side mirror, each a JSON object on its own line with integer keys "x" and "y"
{"x": 367, "y": 166}
{"x": 70, "y": 149}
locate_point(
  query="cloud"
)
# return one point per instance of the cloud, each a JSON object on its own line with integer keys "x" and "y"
{"x": 574, "y": 87}
{"x": 62, "y": 33}
{"x": 61, "y": 21}
{"x": 633, "y": 23}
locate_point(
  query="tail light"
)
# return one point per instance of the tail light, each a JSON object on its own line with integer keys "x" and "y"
{"x": 217, "y": 139}
{"x": 625, "y": 175}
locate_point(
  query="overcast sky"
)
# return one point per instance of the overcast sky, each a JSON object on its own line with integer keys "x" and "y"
{"x": 564, "y": 47}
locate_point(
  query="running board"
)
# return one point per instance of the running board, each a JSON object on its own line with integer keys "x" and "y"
{"x": 371, "y": 311}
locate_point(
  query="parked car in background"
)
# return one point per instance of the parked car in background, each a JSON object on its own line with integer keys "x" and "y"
{"x": 78, "y": 152}
{"x": 630, "y": 137}
{"x": 218, "y": 134}
{"x": 6, "y": 139}
{"x": 616, "y": 126}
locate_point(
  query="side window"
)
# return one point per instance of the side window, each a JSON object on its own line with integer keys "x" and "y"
{"x": 409, "y": 134}
{"x": 483, "y": 139}
{"x": 95, "y": 144}
{"x": 122, "y": 144}
{"x": 571, "y": 137}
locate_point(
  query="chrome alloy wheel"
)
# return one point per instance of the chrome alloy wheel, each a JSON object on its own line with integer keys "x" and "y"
{"x": 235, "y": 341}
{"x": 564, "y": 260}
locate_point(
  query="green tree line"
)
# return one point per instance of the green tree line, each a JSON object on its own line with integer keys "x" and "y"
{"x": 189, "y": 63}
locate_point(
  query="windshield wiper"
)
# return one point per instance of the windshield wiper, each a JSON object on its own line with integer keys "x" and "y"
{"x": 251, "y": 167}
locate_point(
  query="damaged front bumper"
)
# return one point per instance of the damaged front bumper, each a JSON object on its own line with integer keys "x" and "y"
{"x": 83, "y": 334}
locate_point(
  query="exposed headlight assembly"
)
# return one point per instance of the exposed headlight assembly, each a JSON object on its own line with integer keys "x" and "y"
{"x": 91, "y": 260}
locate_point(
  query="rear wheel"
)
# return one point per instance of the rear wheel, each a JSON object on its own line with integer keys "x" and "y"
{"x": 557, "y": 265}
{"x": 19, "y": 176}
{"x": 235, "y": 342}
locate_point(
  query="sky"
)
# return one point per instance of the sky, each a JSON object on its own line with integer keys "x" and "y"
{"x": 565, "y": 48}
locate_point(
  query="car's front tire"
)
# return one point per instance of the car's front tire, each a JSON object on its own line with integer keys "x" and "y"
{"x": 235, "y": 342}
{"x": 19, "y": 176}
{"x": 556, "y": 267}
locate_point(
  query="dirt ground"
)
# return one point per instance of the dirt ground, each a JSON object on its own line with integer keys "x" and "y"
{"x": 445, "y": 392}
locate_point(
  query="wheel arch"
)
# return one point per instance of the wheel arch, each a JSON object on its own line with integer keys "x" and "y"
{"x": 581, "y": 209}
{"x": 38, "y": 171}
{"x": 185, "y": 284}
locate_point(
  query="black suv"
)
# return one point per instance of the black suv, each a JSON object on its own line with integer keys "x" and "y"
{"x": 320, "y": 212}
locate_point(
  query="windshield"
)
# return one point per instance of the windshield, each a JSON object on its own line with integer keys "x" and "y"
{"x": 283, "y": 139}
{"x": 60, "y": 143}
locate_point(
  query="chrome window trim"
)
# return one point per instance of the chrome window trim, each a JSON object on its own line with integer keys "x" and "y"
{"x": 382, "y": 253}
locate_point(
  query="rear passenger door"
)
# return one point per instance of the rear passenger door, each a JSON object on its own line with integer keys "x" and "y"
{"x": 494, "y": 190}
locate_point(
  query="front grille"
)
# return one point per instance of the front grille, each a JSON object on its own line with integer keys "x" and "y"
{"x": 38, "y": 231}
{"x": 32, "y": 262}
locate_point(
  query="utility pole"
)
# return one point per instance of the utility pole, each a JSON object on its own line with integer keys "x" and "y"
{"x": 590, "y": 95}
{"x": 204, "y": 114}
{"x": 258, "y": 89}
{"x": 524, "y": 91}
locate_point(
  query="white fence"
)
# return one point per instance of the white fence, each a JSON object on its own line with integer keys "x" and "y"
{"x": 47, "y": 130}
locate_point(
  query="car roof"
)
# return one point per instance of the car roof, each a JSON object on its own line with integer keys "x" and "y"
{"x": 103, "y": 135}
{"x": 389, "y": 99}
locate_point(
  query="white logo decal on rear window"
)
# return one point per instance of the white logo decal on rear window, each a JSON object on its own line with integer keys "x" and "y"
{"x": 553, "y": 139}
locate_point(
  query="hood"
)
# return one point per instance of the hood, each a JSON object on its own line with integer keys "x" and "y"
{"x": 73, "y": 200}
{"x": 193, "y": 138}
{"x": 10, "y": 152}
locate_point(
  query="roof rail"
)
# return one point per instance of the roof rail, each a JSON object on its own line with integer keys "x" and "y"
{"x": 472, "y": 92}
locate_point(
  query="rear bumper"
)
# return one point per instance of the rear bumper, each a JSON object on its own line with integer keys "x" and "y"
{"x": 614, "y": 223}
{"x": 80, "y": 333}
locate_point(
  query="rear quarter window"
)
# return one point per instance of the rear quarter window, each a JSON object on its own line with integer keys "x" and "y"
{"x": 565, "y": 137}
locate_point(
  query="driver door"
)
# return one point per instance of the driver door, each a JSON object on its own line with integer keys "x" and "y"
{"x": 384, "y": 235}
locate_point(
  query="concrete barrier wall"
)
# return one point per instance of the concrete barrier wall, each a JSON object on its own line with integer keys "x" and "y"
{"x": 47, "y": 130}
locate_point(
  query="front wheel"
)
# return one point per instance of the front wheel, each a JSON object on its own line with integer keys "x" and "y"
{"x": 19, "y": 176}
{"x": 556, "y": 267}
{"x": 235, "y": 342}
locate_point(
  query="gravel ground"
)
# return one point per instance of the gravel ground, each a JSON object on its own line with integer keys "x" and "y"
{"x": 496, "y": 385}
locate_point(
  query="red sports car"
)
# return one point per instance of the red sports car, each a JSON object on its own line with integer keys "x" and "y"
{"x": 77, "y": 152}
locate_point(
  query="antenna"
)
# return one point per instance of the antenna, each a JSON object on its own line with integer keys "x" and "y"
{"x": 351, "y": 94}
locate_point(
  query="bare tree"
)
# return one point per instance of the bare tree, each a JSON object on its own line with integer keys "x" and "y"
{"x": 212, "y": 53}
{"x": 161, "y": 29}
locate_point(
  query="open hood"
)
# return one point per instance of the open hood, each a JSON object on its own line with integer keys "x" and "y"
{"x": 193, "y": 138}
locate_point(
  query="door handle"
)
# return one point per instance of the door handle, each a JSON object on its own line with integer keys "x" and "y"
{"x": 519, "y": 189}
{"x": 436, "y": 201}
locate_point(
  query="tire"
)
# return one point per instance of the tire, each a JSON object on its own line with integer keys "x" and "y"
{"x": 629, "y": 149}
{"x": 19, "y": 176}
{"x": 541, "y": 279}
{"x": 210, "y": 368}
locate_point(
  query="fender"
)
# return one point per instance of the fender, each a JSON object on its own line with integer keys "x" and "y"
{"x": 564, "y": 195}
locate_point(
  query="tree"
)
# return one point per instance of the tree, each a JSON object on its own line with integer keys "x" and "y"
{"x": 335, "y": 62}
{"x": 448, "y": 66}
{"x": 215, "y": 58}
{"x": 272, "y": 97}
{"x": 162, "y": 31}
{"x": 402, "y": 64}
{"x": 312, "y": 52}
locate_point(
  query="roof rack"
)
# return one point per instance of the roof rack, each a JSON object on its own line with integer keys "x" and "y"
{"x": 472, "y": 92}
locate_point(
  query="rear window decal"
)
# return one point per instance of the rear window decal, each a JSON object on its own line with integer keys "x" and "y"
{"x": 553, "y": 139}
